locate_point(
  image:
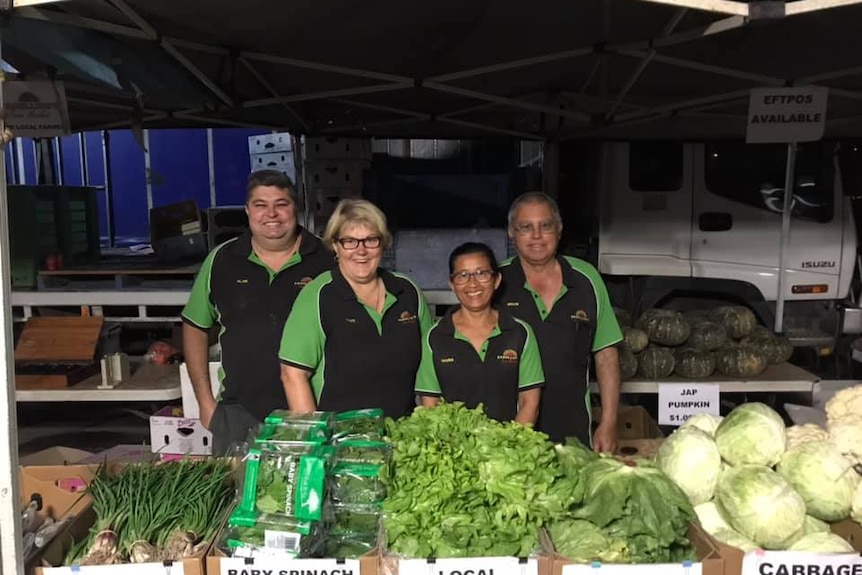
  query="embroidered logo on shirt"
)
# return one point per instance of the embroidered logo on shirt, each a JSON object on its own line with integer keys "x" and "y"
{"x": 580, "y": 315}
{"x": 407, "y": 317}
{"x": 511, "y": 304}
{"x": 447, "y": 360}
{"x": 242, "y": 281}
{"x": 303, "y": 282}
{"x": 350, "y": 319}
{"x": 508, "y": 356}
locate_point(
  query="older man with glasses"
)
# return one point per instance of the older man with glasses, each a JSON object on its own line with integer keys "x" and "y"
{"x": 566, "y": 303}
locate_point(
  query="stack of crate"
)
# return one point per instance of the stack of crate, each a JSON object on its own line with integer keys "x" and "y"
{"x": 272, "y": 152}
{"x": 334, "y": 169}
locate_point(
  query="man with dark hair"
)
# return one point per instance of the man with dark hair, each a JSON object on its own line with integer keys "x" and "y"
{"x": 247, "y": 286}
{"x": 565, "y": 301}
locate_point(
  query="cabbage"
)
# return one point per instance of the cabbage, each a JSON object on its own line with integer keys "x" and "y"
{"x": 856, "y": 504}
{"x": 751, "y": 433}
{"x": 691, "y": 459}
{"x": 734, "y": 539}
{"x": 814, "y": 525}
{"x": 824, "y": 478}
{"x": 760, "y": 505}
{"x": 822, "y": 542}
{"x": 704, "y": 421}
{"x": 710, "y": 518}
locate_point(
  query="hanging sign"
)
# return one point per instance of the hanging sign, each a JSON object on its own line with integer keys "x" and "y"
{"x": 786, "y": 115}
{"x": 36, "y": 109}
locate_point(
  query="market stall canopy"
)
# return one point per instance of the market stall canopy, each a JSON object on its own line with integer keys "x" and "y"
{"x": 449, "y": 68}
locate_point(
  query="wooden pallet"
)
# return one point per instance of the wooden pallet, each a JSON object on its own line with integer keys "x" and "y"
{"x": 87, "y": 279}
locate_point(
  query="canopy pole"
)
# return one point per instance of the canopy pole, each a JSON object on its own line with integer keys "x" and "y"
{"x": 787, "y": 209}
{"x": 11, "y": 550}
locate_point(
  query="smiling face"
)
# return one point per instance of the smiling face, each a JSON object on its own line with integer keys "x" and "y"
{"x": 271, "y": 215}
{"x": 359, "y": 250}
{"x": 474, "y": 281}
{"x": 536, "y": 232}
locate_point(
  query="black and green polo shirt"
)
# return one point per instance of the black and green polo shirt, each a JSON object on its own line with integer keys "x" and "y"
{"x": 251, "y": 302}
{"x": 507, "y": 364}
{"x": 357, "y": 357}
{"x": 580, "y": 322}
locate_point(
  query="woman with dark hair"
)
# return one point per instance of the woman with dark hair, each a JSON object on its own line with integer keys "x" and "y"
{"x": 477, "y": 354}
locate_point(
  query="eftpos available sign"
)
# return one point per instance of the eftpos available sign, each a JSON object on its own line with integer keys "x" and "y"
{"x": 786, "y": 115}
{"x": 36, "y": 109}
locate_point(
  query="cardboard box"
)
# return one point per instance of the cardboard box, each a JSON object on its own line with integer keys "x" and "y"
{"x": 323, "y": 148}
{"x": 54, "y": 554}
{"x": 61, "y": 489}
{"x": 638, "y": 434}
{"x": 172, "y": 433}
{"x": 322, "y": 175}
{"x": 280, "y": 161}
{"x": 733, "y": 557}
{"x": 54, "y": 456}
{"x": 708, "y": 553}
{"x": 269, "y": 143}
{"x": 190, "y": 402}
{"x": 120, "y": 454}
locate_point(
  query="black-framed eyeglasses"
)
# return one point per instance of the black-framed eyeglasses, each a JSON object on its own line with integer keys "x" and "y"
{"x": 370, "y": 242}
{"x": 482, "y": 276}
{"x": 546, "y": 227}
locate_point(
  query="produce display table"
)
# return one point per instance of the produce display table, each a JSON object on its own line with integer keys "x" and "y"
{"x": 148, "y": 383}
{"x": 781, "y": 378}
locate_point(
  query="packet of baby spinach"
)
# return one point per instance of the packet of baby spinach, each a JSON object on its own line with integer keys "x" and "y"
{"x": 349, "y": 546}
{"x": 346, "y": 519}
{"x": 291, "y": 433}
{"x": 356, "y": 483}
{"x": 362, "y": 424}
{"x": 284, "y": 417}
{"x": 283, "y": 482}
{"x": 361, "y": 451}
{"x": 271, "y": 535}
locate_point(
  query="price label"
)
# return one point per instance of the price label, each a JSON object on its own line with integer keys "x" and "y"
{"x": 469, "y": 566}
{"x": 170, "y": 568}
{"x": 273, "y": 565}
{"x": 685, "y": 568}
{"x": 678, "y": 401}
{"x": 804, "y": 562}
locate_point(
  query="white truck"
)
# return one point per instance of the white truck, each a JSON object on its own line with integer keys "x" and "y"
{"x": 689, "y": 224}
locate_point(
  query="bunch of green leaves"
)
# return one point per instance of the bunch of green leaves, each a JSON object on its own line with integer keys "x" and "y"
{"x": 349, "y": 546}
{"x": 462, "y": 485}
{"x": 359, "y": 451}
{"x": 349, "y": 519}
{"x": 630, "y": 511}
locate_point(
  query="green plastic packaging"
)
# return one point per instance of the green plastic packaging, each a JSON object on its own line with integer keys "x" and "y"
{"x": 279, "y": 482}
{"x": 361, "y": 424}
{"x": 357, "y": 483}
{"x": 360, "y": 451}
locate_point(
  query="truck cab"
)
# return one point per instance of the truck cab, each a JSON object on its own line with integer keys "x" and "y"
{"x": 682, "y": 222}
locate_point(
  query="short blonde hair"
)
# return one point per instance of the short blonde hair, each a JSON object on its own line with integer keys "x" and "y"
{"x": 356, "y": 212}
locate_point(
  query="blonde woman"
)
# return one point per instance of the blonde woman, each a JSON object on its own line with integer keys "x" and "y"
{"x": 354, "y": 337}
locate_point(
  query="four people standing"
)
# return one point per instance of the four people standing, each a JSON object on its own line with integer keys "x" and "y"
{"x": 350, "y": 334}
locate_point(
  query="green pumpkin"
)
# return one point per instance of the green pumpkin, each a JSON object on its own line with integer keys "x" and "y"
{"x": 664, "y": 326}
{"x": 740, "y": 361}
{"x": 707, "y": 335}
{"x": 693, "y": 363}
{"x": 739, "y": 321}
{"x": 777, "y": 349}
{"x": 628, "y": 363}
{"x": 761, "y": 332}
{"x": 655, "y": 362}
{"x": 694, "y": 316}
{"x": 624, "y": 318}
{"x": 635, "y": 339}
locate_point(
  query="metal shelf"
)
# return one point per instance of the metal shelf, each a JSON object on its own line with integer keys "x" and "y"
{"x": 781, "y": 378}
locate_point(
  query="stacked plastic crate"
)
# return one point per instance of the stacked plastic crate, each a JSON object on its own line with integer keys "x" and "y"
{"x": 335, "y": 169}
